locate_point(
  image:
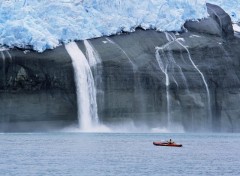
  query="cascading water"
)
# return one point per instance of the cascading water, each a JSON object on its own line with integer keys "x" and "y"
{"x": 204, "y": 81}
{"x": 164, "y": 69}
{"x": 3, "y": 65}
{"x": 171, "y": 39}
{"x": 95, "y": 64}
{"x": 92, "y": 55}
{"x": 86, "y": 93}
{"x": 9, "y": 55}
{"x": 130, "y": 60}
{"x": 138, "y": 90}
{"x": 167, "y": 63}
{"x": 177, "y": 40}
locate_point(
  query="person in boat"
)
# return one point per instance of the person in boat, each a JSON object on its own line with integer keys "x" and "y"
{"x": 170, "y": 141}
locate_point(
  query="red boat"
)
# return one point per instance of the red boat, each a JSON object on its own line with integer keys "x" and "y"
{"x": 167, "y": 144}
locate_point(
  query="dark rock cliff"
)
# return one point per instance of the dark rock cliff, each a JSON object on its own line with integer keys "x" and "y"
{"x": 218, "y": 23}
{"x": 37, "y": 90}
{"x": 134, "y": 84}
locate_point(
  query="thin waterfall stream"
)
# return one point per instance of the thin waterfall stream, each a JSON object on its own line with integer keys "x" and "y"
{"x": 166, "y": 63}
{"x": 130, "y": 60}
{"x": 4, "y": 69}
{"x": 95, "y": 63}
{"x": 164, "y": 69}
{"x": 209, "y": 121}
{"x": 138, "y": 89}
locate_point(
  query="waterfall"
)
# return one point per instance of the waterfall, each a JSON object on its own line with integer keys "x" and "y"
{"x": 177, "y": 40}
{"x": 95, "y": 64}
{"x": 3, "y": 68}
{"x": 164, "y": 69}
{"x": 130, "y": 60}
{"x": 138, "y": 89}
{"x": 92, "y": 55}
{"x": 171, "y": 39}
{"x": 204, "y": 81}
{"x": 166, "y": 63}
{"x": 9, "y": 55}
{"x": 86, "y": 93}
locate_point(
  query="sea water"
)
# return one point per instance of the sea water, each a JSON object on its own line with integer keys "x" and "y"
{"x": 103, "y": 154}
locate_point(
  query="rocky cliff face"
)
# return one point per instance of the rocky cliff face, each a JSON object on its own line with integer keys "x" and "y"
{"x": 135, "y": 85}
{"x": 157, "y": 79}
{"x": 37, "y": 90}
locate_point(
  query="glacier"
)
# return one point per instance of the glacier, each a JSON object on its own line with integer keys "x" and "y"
{"x": 46, "y": 24}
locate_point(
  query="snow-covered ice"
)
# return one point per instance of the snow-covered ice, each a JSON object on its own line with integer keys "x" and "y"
{"x": 45, "y": 24}
{"x": 236, "y": 28}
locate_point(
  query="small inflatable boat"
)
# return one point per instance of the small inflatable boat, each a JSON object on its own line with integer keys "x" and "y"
{"x": 167, "y": 144}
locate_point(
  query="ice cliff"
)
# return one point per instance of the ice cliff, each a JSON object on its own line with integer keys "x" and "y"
{"x": 44, "y": 24}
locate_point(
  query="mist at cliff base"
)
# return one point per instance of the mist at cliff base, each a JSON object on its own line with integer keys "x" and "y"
{"x": 126, "y": 127}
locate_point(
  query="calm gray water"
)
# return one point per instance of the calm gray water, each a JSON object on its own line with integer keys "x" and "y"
{"x": 104, "y": 154}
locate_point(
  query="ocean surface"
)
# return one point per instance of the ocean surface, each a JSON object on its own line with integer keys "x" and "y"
{"x": 130, "y": 154}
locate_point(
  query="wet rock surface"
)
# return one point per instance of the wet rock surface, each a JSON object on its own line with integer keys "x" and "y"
{"x": 38, "y": 91}
{"x": 135, "y": 85}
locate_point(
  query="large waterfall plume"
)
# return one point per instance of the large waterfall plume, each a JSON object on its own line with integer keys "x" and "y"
{"x": 85, "y": 87}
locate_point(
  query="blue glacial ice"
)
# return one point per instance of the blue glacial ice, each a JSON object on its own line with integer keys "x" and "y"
{"x": 46, "y": 24}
